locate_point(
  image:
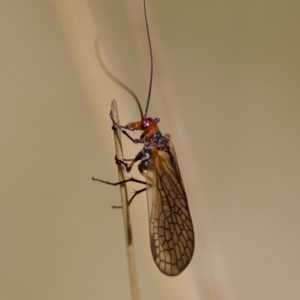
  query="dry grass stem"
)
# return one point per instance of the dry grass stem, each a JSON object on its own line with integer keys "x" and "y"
{"x": 124, "y": 199}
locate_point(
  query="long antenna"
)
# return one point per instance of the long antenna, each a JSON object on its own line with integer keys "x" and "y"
{"x": 115, "y": 79}
{"x": 151, "y": 60}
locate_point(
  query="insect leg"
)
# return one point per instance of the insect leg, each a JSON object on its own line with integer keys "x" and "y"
{"x": 136, "y": 193}
{"x": 142, "y": 155}
{"x": 122, "y": 129}
{"x": 133, "y": 196}
{"x": 127, "y": 166}
{"x": 120, "y": 182}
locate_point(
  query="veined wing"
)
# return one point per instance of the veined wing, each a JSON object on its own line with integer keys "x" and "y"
{"x": 171, "y": 227}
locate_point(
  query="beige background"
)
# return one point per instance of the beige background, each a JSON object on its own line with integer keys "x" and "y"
{"x": 226, "y": 88}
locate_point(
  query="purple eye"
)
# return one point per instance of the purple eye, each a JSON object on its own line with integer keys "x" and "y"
{"x": 145, "y": 123}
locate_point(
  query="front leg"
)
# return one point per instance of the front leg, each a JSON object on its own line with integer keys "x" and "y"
{"x": 122, "y": 129}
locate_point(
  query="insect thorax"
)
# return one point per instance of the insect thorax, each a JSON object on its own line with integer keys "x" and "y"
{"x": 161, "y": 141}
{"x": 158, "y": 141}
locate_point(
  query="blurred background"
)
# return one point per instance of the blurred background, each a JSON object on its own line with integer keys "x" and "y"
{"x": 226, "y": 87}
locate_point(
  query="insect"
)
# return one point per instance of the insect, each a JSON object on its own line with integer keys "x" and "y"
{"x": 171, "y": 228}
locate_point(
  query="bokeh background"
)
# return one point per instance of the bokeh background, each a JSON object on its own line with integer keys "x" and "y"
{"x": 226, "y": 87}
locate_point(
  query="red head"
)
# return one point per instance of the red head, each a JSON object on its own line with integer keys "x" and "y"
{"x": 148, "y": 125}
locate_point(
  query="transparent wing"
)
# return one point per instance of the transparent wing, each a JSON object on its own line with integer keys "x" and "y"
{"x": 171, "y": 227}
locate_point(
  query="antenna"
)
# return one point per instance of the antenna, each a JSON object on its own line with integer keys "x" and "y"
{"x": 115, "y": 79}
{"x": 151, "y": 60}
{"x": 123, "y": 85}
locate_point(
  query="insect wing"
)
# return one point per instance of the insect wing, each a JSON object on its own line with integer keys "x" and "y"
{"x": 171, "y": 227}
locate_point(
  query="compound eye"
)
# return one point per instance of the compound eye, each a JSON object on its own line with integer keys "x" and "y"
{"x": 145, "y": 123}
